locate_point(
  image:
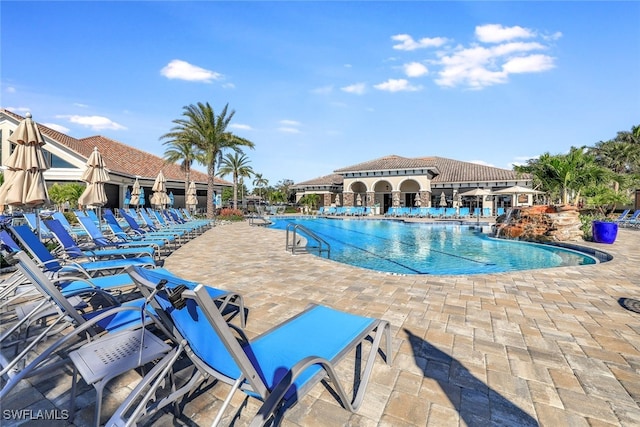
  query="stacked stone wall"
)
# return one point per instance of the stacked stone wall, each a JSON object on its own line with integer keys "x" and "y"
{"x": 541, "y": 224}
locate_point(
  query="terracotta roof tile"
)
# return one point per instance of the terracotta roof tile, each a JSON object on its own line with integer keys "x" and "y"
{"x": 119, "y": 157}
{"x": 450, "y": 171}
{"x": 391, "y": 162}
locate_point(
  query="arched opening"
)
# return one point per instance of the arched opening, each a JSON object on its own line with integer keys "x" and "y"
{"x": 382, "y": 190}
{"x": 409, "y": 192}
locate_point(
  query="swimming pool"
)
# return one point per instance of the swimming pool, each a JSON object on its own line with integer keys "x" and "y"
{"x": 430, "y": 248}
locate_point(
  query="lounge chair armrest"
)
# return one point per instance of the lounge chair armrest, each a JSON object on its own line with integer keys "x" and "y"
{"x": 272, "y": 402}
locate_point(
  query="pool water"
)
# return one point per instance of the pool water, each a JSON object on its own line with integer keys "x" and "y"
{"x": 428, "y": 248}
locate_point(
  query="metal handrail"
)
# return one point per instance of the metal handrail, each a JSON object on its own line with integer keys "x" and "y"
{"x": 295, "y": 247}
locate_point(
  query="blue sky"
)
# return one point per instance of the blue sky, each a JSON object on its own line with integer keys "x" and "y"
{"x": 319, "y": 86}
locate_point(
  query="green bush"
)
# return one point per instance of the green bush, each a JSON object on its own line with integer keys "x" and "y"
{"x": 71, "y": 217}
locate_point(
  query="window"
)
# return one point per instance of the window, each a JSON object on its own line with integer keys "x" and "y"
{"x": 55, "y": 161}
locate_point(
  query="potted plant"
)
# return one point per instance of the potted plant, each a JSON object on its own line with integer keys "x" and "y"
{"x": 604, "y": 229}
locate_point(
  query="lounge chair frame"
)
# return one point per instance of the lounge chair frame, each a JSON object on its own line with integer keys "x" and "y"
{"x": 143, "y": 401}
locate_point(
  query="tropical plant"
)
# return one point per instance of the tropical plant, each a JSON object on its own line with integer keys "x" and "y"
{"x": 208, "y": 132}
{"x": 565, "y": 175}
{"x": 231, "y": 214}
{"x": 180, "y": 149}
{"x": 236, "y": 164}
{"x": 310, "y": 200}
{"x": 260, "y": 183}
{"x": 66, "y": 193}
{"x": 277, "y": 197}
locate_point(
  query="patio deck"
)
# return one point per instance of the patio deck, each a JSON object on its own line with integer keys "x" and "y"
{"x": 541, "y": 347}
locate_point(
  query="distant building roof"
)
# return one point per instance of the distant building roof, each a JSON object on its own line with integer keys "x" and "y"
{"x": 119, "y": 157}
{"x": 391, "y": 162}
{"x": 449, "y": 170}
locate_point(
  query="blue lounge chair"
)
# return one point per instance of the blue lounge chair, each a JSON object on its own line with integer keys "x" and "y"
{"x": 278, "y": 367}
{"x": 93, "y": 252}
{"x": 87, "y": 269}
{"x": 77, "y": 231}
{"x": 632, "y": 221}
{"x": 622, "y": 216}
{"x": 135, "y": 228}
{"x": 119, "y": 237}
{"x": 32, "y": 222}
{"x": 124, "y": 347}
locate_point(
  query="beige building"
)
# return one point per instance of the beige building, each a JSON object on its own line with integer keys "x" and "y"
{"x": 407, "y": 182}
{"x": 67, "y": 157}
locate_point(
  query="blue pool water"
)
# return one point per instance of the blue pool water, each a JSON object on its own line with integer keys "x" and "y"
{"x": 426, "y": 248}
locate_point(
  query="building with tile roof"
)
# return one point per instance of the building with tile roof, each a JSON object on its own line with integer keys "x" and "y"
{"x": 68, "y": 156}
{"x": 402, "y": 181}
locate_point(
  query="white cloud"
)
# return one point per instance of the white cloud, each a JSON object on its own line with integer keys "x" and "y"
{"x": 93, "y": 122}
{"x": 408, "y": 43}
{"x": 289, "y": 122}
{"x": 415, "y": 69}
{"x": 229, "y": 86}
{"x": 529, "y": 64}
{"x": 182, "y": 70}
{"x": 286, "y": 129}
{"x": 240, "y": 126}
{"x": 356, "y": 88}
{"x": 10, "y": 89}
{"x": 77, "y": 104}
{"x": 323, "y": 90}
{"x": 59, "y": 128}
{"x": 498, "y": 52}
{"x": 397, "y": 85}
{"x": 19, "y": 109}
{"x": 496, "y": 33}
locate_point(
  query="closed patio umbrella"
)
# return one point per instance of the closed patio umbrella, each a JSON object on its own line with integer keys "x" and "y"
{"x": 443, "y": 200}
{"x": 359, "y": 200}
{"x": 141, "y": 201}
{"x": 159, "y": 197}
{"x": 95, "y": 176}
{"x": 24, "y": 184}
{"x": 337, "y": 200}
{"x": 135, "y": 194}
{"x": 172, "y": 198}
{"x": 192, "y": 199}
{"x": 127, "y": 198}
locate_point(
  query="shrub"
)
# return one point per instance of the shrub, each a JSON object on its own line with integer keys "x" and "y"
{"x": 231, "y": 214}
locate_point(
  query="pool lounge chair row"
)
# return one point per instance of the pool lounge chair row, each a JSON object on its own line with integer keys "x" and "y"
{"x": 626, "y": 220}
{"x": 175, "y": 319}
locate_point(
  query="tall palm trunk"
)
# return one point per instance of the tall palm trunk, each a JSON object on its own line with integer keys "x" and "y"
{"x": 235, "y": 191}
{"x": 211, "y": 169}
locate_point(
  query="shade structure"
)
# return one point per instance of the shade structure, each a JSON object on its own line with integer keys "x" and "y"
{"x": 443, "y": 199}
{"x": 192, "y": 198}
{"x": 160, "y": 197}
{"x": 477, "y": 192}
{"x": 517, "y": 189}
{"x": 95, "y": 176}
{"x": 24, "y": 184}
{"x": 135, "y": 193}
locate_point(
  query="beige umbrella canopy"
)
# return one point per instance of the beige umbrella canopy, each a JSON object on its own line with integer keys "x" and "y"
{"x": 135, "y": 194}
{"x": 443, "y": 199}
{"x": 24, "y": 183}
{"x": 517, "y": 189}
{"x": 337, "y": 200}
{"x": 160, "y": 197}
{"x": 95, "y": 176}
{"x": 192, "y": 199}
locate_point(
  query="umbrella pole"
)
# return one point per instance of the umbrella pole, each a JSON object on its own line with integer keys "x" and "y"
{"x": 38, "y": 223}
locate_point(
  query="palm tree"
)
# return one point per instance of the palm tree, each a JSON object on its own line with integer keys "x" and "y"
{"x": 236, "y": 164}
{"x": 208, "y": 132}
{"x": 181, "y": 150}
{"x": 260, "y": 182}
